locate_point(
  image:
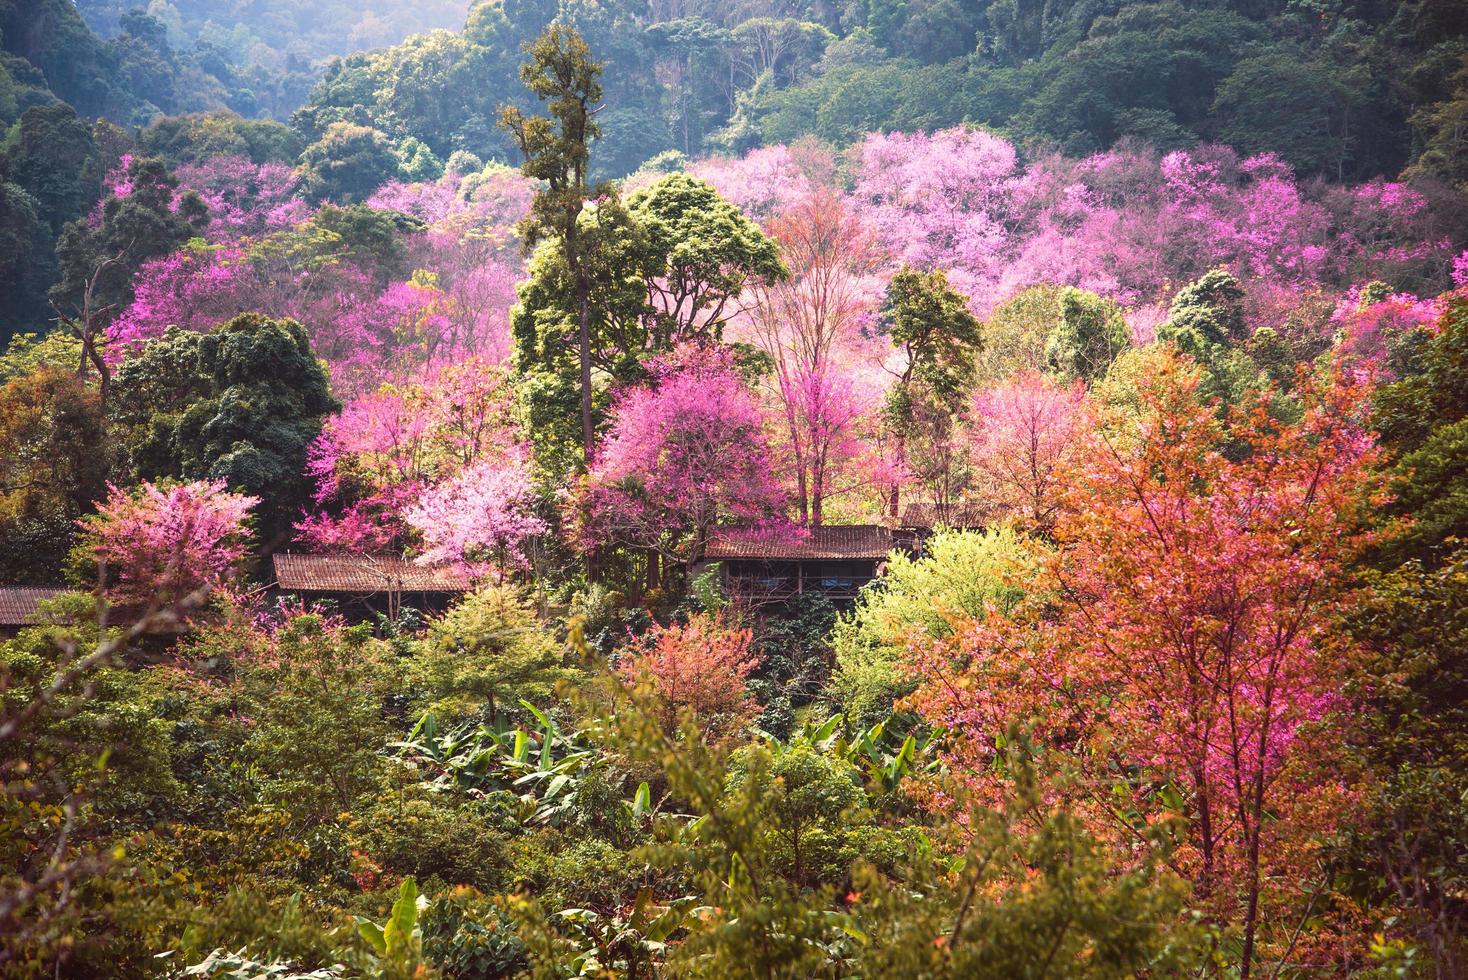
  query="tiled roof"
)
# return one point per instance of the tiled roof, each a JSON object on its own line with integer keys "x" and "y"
{"x": 926, "y": 514}
{"x": 18, "y": 604}
{"x": 829, "y": 541}
{"x": 364, "y": 575}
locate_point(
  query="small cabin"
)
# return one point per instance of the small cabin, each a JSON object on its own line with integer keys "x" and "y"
{"x": 361, "y": 585}
{"x": 835, "y": 560}
{"x": 19, "y": 607}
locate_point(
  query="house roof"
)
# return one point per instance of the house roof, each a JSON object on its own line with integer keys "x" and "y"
{"x": 829, "y": 541}
{"x": 18, "y": 604}
{"x": 927, "y": 514}
{"x": 364, "y": 575}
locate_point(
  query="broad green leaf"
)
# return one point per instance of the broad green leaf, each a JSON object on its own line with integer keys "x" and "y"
{"x": 399, "y": 932}
{"x": 372, "y": 933}
{"x": 641, "y": 801}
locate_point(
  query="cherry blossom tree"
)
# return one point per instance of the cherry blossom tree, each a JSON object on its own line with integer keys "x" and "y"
{"x": 386, "y": 448}
{"x": 1021, "y": 435}
{"x": 245, "y": 199}
{"x": 939, "y": 201}
{"x": 1369, "y": 321}
{"x": 812, "y": 326}
{"x": 768, "y": 181}
{"x": 482, "y": 206}
{"x": 158, "y": 545}
{"x": 683, "y": 454}
{"x": 482, "y": 519}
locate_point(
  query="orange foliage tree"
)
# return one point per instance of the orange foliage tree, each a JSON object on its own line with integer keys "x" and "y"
{"x": 1179, "y": 650}
{"x": 701, "y": 666}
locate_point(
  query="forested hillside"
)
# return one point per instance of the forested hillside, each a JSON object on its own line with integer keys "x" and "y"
{"x": 1346, "y": 90}
{"x": 894, "y": 490}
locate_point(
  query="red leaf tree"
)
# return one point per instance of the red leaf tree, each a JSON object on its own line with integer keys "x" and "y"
{"x": 701, "y": 666}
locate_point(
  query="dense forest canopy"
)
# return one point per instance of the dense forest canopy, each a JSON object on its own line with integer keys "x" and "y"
{"x": 935, "y": 488}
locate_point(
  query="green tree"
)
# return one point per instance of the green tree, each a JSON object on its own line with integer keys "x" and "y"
{"x": 1299, "y": 107}
{"x": 546, "y": 327}
{"x": 811, "y": 799}
{"x": 959, "y": 572}
{"x": 316, "y": 704}
{"x": 489, "y": 651}
{"x": 938, "y": 336}
{"x": 671, "y": 266}
{"x": 27, "y": 261}
{"x": 557, "y": 151}
{"x": 1206, "y": 315}
{"x": 1424, "y": 419}
{"x": 240, "y": 404}
{"x": 50, "y": 153}
{"x": 53, "y": 464}
{"x": 417, "y": 161}
{"x": 1410, "y": 845}
{"x": 370, "y": 239}
{"x": 1441, "y": 129}
{"x": 1016, "y": 332}
{"x": 702, "y": 253}
{"x": 196, "y": 137}
{"x": 347, "y": 164}
{"x": 1087, "y": 337}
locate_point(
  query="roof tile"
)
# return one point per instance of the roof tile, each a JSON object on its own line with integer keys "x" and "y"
{"x": 829, "y": 541}
{"x": 364, "y": 575}
{"x": 18, "y": 604}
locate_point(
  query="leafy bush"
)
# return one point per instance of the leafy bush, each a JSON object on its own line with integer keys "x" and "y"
{"x": 491, "y": 650}
{"x": 468, "y": 937}
{"x": 959, "y": 572}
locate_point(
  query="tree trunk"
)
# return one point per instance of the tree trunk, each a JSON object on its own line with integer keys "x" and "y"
{"x": 894, "y": 500}
{"x": 817, "y": 491}
{"x": 654, "y": 571}
{"x": 1251, "y": 909}
{"x": 583, "y": 342}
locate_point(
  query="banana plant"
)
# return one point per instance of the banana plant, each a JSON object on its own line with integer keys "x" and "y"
{"x": 886, "y": 768}
{"x": 399, "y": 940}
{"x": 542, "y": 768}
{"x": 869, "y": 751}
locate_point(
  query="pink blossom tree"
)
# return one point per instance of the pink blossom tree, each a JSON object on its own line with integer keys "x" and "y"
{"x": 157, "y": 546}
{"x": 683, "y": 454}
{"x": 768, "y": 181}
{"x": 482, "y": 519}
{"x": 386, "y": 448}
{"x": 477, "y": 206}
{"x": 939, "y": 201}
{"x": 1021, "y": 434}
{"x": 193, "y": 288}
{"x": 245, "y": 199}
{"x": 1367, "y": 321}
{"x": 813, "y": 327}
